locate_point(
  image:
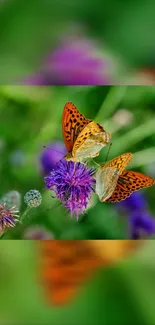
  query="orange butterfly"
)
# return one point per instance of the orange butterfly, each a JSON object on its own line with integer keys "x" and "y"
{"x": 114, "y": 184}
{"x": 66, "y": 264}
{"x": 83, "y": 138}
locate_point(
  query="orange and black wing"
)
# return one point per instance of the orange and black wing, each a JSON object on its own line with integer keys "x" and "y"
{"x": 73, "y": 122}
{"x": 65, "y": 265}
{"x": 120, "y": 162}
{"x": 129, "y": 182}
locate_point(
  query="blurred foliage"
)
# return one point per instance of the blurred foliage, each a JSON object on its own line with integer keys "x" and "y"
{"x": 29, "y": 30}
{"x": 121, "y": 294}
{"x": 30, "y": 118}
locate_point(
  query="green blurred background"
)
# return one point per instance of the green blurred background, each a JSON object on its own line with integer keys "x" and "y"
{"x": 30, "y": 118}
{"x": 118, "y": 295}
{"x": 29, "y": 30}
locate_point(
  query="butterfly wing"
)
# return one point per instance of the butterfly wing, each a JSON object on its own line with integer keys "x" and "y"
{"x": 90, "y": 141}
{"x": 129, "y": 182}
{"x": 120, "y": 162}
{"x": 73, "y": 123}
{"x": 106, "y": 181}
{"x": 65, "y": 265}
{"x": 107, "y": 176}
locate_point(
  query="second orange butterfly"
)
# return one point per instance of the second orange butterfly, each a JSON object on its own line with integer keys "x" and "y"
{"x": 114, "y": 184}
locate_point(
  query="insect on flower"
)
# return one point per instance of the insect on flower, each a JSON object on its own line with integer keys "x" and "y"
{"x": 65, "y": 265}
{"x": 83, "y": 138}
{"x": 114, "y": 184}
{"x": 72, "y": 183}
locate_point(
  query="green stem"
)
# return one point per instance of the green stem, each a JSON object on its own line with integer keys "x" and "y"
{"x": 113, "y": 99}
{"x": 125, "y": 142}
{"x": 143, "y": 157}
{"x": 25, "y": 214}
{"x": 2, "y": 234}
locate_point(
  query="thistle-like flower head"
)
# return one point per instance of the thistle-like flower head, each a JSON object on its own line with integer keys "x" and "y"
{"x": 33, "y": 198}
{"x": 8, "y": 217}
{"x": 72, "y": 183}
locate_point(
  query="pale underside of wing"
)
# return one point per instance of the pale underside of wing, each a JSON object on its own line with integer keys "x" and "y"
{"x": 90, "y": 141}
{"x": 106, "y": 181}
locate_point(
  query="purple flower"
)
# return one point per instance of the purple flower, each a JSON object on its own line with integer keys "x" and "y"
{"x": 8, "y": 217}
{"x": 37, "y": 80}
{"x": 142, "y": 225}
{"x": 72, "y": 183}
{"x": 73, "y": 62}
{"x": 136, "y": 201}
{"x": 51, "y": 155}
{"x": 37, "y": 232}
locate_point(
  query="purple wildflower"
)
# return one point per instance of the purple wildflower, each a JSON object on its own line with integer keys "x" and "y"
{"x": 37, "y": 232}
{"x": 51, "y": 155}
{"x": 76, "y": 63}
{"x": 73, "y": 62}
{"x": 136, "y": 201}
{"x": 37, "y": 80}
{"x": 8, "y": 217}
{"x": 72, "y": 183}
{"x": 142, "y": 225}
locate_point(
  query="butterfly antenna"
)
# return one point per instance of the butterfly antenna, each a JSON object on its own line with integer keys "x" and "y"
{"x": 53, "y": 150}
{"x": 108, "y": 152}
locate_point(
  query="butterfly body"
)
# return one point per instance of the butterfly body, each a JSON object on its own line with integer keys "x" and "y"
{"x": 83, "y": 138}
{"x": 70, "y": 157}
{"x": 125, "y": 184}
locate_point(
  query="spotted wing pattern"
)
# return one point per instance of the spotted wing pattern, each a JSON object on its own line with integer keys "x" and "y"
{"x": 91, "y": 140}
{"x": 65, "y": 265}
{"x": 129, "y": 182}
{"x": 90, "y": 130}
{"x": 73, "y": 122}
{"x": 120, "y": 162}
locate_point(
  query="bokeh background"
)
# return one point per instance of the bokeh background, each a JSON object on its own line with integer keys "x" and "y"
{"x": 30, "y": 118}
{"x": 122, "y": 33}
{"x": 120, "y": 294}
{"x": 34, "y": 37}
